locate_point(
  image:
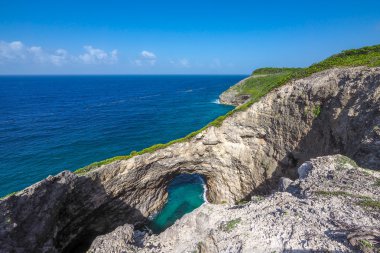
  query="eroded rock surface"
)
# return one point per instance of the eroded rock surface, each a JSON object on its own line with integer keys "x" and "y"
{"x": 327, "y": 214}
{"x": 232, "y": 96}
{"x": 335, "y": 111}
{"x": 117, "y": 241}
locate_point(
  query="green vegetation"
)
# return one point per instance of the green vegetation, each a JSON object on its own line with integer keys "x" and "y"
{"x": 231, "y": 225}
{"x": 377, "y": 183}
{"x": 263, "y": 81}
{"x": 241, "y": 202}
{"x": 341, "y": 193}
{"x": 275, "y": 77}
{"x": 259, "y": 85}
{"x": 366, "y": 244}
{"x": 271, "y": 71}
{"x": 317, "y": 111}
{"x": 8, "y": 195}
{"x": 343, "y": 160}
{"x": 370, "y": 203}
{"x": 365, "y": 201}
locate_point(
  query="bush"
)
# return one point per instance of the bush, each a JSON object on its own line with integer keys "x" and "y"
{"x": 227, "y": 227}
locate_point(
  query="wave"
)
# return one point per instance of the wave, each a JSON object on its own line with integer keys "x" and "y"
{"x": 150, "y": 96}
{"x": 216, "y": 101}
{"x": 191, "y": 90}
{"x": 204, "y": 189}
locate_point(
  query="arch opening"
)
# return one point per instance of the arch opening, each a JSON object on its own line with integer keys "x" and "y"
{"x": 186, "y": 192}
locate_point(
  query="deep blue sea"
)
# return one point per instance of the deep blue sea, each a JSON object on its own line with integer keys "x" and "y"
{"x": 52, "y": 123}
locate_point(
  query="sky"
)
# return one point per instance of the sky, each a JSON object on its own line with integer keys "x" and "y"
{"x": 178, "y": 37}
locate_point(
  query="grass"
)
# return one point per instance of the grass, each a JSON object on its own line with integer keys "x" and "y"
{"x": 370, "y": 203}
{"x": 365, "y": 201}
{"x": 258, "y": 86}
{"x": 231, "y": 225}
{"x": 343, "y": 160}
{"x": 317, "y": 111}
{"x": 262, "y": 82}
{"x": 271, "y": 71}
{"x": 366, "y": 244}
{"x": 341, "y": 193}
{"x": 241, "y": 202}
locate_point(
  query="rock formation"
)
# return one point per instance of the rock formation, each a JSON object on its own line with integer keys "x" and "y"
{"x": 332, "y": 112}
{"x": 232, "y": 97}
{"x": 323, "y": 211}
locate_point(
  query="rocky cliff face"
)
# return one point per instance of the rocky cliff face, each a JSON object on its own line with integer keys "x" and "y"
{"x": 326, "y": 210}
{"x": 335, "y": 111}
{"x": 232, "y": 97}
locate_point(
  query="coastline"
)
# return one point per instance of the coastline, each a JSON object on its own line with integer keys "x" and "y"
{"x": 276, "y": 143}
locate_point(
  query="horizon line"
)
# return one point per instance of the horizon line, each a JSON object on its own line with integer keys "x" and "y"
{"x": 229, "y": 74}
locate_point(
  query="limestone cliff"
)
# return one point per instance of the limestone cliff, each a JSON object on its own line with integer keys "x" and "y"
{"x": 332, "y": 112}
{"x": 232, "y": 97}
{"x": 328, "y": 209}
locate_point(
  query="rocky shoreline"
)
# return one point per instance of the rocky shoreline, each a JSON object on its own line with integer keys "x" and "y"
{"x": 331, "y": 112}
{"x": 231, "y": 95}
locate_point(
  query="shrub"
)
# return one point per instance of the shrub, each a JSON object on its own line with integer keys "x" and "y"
{"x": 227, "y": 227}
{"x": 370, "y": 203}
{"x": 317, "y": 111}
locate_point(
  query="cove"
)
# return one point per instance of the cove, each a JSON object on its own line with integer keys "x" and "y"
{"x": 186, "y": 193}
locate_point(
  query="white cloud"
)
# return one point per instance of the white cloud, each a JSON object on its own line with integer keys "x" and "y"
{"x": 148, "y": 55}
{"x": 60, "y": 57}
{"x": 96, "y": 56}
{"x": 12, "y": 51}
{"x": 146, "y": 58}
{"x": 17, "y": 52}
{"x": 16, "y": 45}
{"x": 183, "y": 63}
{"x": 37, "y": 54}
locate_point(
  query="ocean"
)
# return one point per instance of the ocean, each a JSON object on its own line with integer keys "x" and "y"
{"x": 53, "y": 123}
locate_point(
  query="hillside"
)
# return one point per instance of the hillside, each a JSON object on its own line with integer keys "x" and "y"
{"x": 265, "y": 79}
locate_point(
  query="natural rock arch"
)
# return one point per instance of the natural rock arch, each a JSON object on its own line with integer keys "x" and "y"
{"x": 335, "y": 111}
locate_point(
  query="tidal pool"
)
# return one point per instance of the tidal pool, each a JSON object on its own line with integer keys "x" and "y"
{"x": 186, "y": 192}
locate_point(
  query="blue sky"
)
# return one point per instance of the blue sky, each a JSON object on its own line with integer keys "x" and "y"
{"x": 178, "y": 37}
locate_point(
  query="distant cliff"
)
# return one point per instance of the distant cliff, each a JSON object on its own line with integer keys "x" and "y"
{"x": 233, "y": 97}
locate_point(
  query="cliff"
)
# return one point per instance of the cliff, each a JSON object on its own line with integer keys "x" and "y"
{"x": 331, "y": 112}
{"x": 232, "y": 95}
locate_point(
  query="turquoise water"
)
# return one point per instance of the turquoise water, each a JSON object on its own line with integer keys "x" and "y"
{"x": 185, "y": 194}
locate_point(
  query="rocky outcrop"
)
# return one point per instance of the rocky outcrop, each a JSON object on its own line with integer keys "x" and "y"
{"x": 232, "y": 95}
{"x": 119, "y": 240}
{"x": 335, "y": 111}
{"x": 324, "y": 211}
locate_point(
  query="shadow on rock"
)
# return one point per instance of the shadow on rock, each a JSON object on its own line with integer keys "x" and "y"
{"x": 62, "y": 213}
